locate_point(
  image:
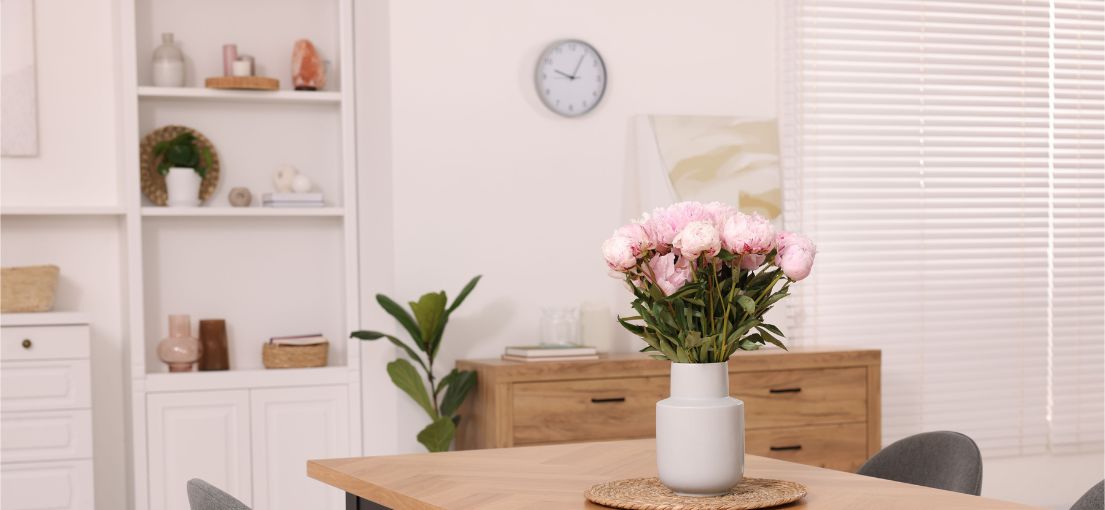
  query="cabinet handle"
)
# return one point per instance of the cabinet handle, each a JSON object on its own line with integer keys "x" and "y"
{"x": 785, "y": 390}
{"x": 611, "y": 400}
{"x": 27, "y": 343}
{"x": 786, "y": 448}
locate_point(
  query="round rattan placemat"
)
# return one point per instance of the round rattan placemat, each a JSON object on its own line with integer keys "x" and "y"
{"x": 153, "y": 183}
{"x": 650, "y": 494}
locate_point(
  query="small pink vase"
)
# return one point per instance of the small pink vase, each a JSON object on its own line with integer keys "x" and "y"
{"x": 180, "y": 350}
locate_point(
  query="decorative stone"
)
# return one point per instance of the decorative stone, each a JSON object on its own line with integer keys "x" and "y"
{"x": 240, "y": 197}
{"x": 302, "y": 184}
{"x": 307, "y": 69}
{"x": 282, "y": 179}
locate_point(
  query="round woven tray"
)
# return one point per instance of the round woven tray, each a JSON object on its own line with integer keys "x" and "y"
{"x": 153, "y": 183}
{"x": 650, "y": 494}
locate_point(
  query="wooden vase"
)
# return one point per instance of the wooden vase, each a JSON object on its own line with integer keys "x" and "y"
{"x": 213, "y": 340}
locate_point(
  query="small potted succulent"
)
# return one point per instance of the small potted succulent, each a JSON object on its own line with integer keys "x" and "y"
{"x": 184, "y": 163}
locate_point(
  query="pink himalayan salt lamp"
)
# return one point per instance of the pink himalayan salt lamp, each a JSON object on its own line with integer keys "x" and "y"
{"x": 307, "y": 71}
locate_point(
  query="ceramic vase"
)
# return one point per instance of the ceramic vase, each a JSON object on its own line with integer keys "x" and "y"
{"x": 183, "y": 185}
{"x": 213, "y": 343}
{"x": 168, "y": 63}
{"x": 180, "y": 349}
{"x": 700, "y": 432}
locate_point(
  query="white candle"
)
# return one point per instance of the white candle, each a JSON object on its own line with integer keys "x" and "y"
{"x": 242, "y": 68}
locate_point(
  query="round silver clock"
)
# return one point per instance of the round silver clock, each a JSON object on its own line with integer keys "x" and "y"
{"x": 570, "y": 77}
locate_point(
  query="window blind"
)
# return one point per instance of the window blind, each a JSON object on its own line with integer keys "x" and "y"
{"x": 1078, "y": 184}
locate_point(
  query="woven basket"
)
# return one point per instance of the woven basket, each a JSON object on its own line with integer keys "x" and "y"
{"x": 28, "y": 289}
{"x": 295, "y": 356}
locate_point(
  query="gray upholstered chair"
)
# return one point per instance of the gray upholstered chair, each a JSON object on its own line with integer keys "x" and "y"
{"x": 204, "y": 496}
{"x": 1093, "y": 499}
{"x": 942, "y": 460}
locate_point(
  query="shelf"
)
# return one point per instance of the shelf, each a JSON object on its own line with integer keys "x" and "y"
{"x": 271, "y": 96}
{"x": 49, "y": 210}
{"x": 190, "y": 212}
{"x": 260, "y": 378}
{"x": 44, "y": 319}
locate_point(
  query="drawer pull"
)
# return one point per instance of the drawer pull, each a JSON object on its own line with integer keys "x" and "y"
{"x": 27, "y": 343}
{"x": 792, "y": 447}
{"x": 611, "y": 400}
{"x": 785, "y": 390}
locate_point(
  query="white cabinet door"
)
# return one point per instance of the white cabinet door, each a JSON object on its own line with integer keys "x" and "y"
{"x": 202, "y": 434}
{"x": 41, "y": 485}
{"x": 290, "y": 427}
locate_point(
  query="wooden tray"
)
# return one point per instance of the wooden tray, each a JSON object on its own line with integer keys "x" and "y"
{"x": 242, "y": 83}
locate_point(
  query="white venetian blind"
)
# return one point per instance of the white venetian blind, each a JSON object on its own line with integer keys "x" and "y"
{"x": 1078, "y": 320}
{"x": 923, "y": 146}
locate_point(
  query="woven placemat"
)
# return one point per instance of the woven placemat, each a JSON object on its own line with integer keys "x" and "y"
{"x": 650, "y": 494}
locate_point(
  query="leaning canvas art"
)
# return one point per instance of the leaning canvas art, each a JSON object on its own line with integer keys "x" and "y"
{"x": 18, "y": 105}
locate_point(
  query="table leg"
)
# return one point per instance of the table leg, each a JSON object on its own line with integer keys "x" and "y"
{"x": 355, "y": 502}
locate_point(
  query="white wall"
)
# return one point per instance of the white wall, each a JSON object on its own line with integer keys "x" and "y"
{"x": 1047, "y": 481}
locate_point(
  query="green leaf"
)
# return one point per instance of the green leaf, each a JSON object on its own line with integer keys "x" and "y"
{"x": 773, "y": 299}
{"x": 747, "y": 304}
{"x": 437, "y": 436}
{"x": 692, "y": 339}
{"x": 374, "y": 335}
{"x": 401, "y": 315}
{"x": 429, "y": 312}
{"x": 457, "y": 392}
{"x": 772, "y": 328}
{"x": 770, "y": 339}
{"x": 464, "y": 293}
{"x": 405, "y": 377}
{"x": 632, "y": 328}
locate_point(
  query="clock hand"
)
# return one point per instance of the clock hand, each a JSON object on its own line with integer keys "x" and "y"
{"x": 577, "y": 65}
{"x": 566, "y": 75}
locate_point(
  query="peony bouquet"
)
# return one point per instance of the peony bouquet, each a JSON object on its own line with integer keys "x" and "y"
{"x": 703, "y": 276}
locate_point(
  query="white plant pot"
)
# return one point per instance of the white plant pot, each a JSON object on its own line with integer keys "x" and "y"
{"x": 184, "y": 187}
{"x": 700, "y": 432}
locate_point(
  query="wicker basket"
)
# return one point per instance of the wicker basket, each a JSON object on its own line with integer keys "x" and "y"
{"x": 28, "y": 289}
{"x": 295, "y": 356}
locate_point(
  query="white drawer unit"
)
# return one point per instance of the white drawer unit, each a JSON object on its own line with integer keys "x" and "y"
{"x": 45, "y": 412}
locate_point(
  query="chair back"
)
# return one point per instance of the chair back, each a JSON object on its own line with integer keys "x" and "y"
{"x": 941, "y": 460}
{"x": 204, "y": 496}
{"x": 1093, "y": 499}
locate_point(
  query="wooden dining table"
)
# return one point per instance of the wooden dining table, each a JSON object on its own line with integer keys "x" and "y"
{"x": 555, "y": 477}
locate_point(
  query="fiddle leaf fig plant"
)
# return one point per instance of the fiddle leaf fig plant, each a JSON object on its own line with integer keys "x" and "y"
{"x": 425, "y": 323}
{"x": 182, "y": 151}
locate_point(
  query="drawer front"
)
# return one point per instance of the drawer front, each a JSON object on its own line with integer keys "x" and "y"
{"x": 47, "y": 485}
{"x": 587, "y": 410}
{"x": 43, "y": 342}
{"x": 44, "y": 385}
{"x": 49, "y": 435}
{"x": 788, "y": 398}
{"x": 842, "y": 447}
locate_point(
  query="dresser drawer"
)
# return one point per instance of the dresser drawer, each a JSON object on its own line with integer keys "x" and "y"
{"x": 787, "y": 398}
{"x": 842, "y": 447}
{"x": 43, "y": 342}
{"x": 47, "y": 435}
{"x": 44, "y": 385}
{"x": 586, "y": 410}
{"x": 47, "y": 485}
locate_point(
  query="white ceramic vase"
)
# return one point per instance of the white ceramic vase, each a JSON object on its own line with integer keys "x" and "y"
{"x": 183, "y": 186}
{"x": 700, "y": 431}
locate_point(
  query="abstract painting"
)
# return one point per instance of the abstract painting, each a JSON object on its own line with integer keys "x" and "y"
{"x": 18, "y": 104}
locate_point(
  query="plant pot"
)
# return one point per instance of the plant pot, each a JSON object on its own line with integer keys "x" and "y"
{"x": 183, "y": 185}
{"x": 700, "y": 432}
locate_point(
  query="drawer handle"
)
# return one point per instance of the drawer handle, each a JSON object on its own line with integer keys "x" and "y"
{"x": 611, "y": 400}
{"x": 27, "y": 343}
{"x": 792, "y": 447}
{"x": 785, "y": 390}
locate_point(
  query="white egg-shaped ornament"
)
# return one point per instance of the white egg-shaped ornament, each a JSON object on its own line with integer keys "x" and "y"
{"x": 302, "y": 184}
{"x": 283, "y": 178}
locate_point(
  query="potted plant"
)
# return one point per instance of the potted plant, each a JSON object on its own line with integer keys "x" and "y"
{"x": 426, "y": 327}
{"x": 703, "y": 276}
{"x": 184, "y": 163}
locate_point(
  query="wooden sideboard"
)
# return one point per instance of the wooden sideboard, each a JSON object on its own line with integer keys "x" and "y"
{"x": 818, "y": 406}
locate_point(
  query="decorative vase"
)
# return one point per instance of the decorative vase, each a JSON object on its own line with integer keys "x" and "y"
{"x": 700, "y": 432}
{"x": 180, "y": 349}
{"x": 213, "y": 345}
{"x": 168, "y": 63}
{"x": 183, "y": 186}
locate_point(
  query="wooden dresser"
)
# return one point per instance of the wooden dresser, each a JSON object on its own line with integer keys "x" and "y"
{"x": 818, "y": 406}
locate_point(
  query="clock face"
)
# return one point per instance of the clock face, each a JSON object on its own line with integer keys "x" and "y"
{"x": 571, "y": 78}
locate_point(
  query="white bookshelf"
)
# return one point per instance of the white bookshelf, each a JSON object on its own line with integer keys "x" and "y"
{"x": 266, "y": 271}
{"x": 48, "y": 210}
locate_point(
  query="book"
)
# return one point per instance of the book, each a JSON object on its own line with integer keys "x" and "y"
{"x": 507, "y": 357}
{"x": 279, "y": 205}
{"x": 291, "y": 197}
{"x": 542, "y": 351}
{"x": 313, "y": 339}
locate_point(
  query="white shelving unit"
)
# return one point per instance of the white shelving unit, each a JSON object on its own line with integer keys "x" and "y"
{"x": 266, "y": 271}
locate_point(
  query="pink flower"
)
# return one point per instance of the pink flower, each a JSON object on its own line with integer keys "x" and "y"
{"x": 752, "y": 261}
{"x": 666, "y": 222}
{"x": 698, "y": 238}
{"x": 746, "y": 234}
{"x": 638, "y": 237}
{"x": 618, "y": 252}
{"x": 720, "y": 213}
{"x": 669, "y": 277}
{"x": 795, "y": 256}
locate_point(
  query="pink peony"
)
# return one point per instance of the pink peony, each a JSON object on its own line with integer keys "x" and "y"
{"x": 698, "y": 238}
{"x": 746, "y": 234}
{"x": 795, "y": 256}
{"x": 720, "y": 213}
{"x": 752, "y": 261}
{"x": 638, "y": 236}
{"x": 618, "y": 252}
{"x": 669, "y": 276}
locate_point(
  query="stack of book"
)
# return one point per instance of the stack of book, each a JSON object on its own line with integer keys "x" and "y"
{"x": 533, "y": 353}
{"x": 314, "y": 339}
{"x": 292, "y": 200}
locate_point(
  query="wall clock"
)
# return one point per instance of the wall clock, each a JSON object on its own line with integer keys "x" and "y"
{"x": 570, "y": 77}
